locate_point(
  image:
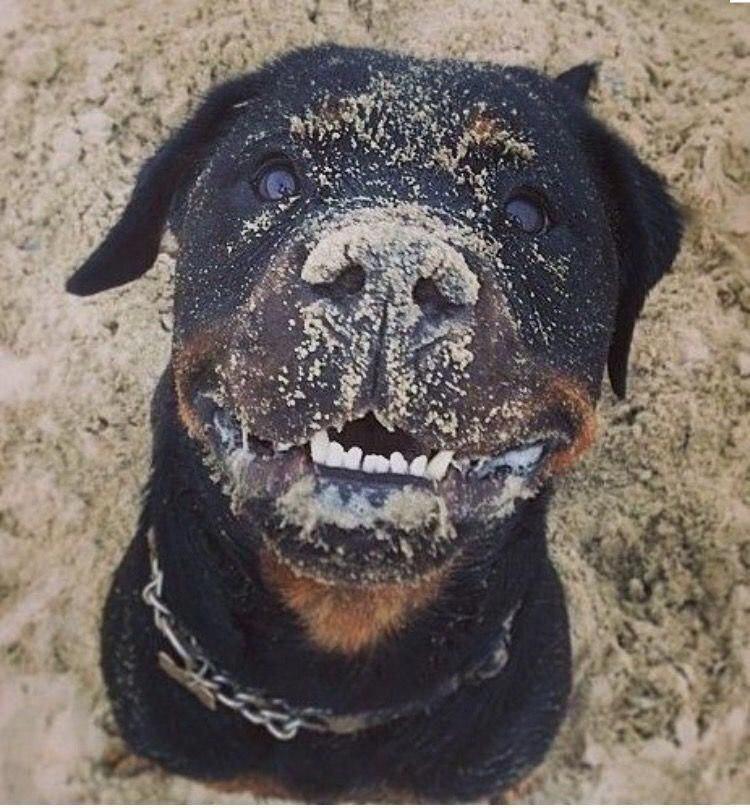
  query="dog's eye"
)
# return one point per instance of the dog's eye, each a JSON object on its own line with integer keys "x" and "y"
{"x": 277, "y": 181}
{"x": 527, "y": 211}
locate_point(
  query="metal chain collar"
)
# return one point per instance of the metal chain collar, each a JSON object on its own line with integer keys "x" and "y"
{"x": 195, "y": 672}
{"x": 200, "y": 676}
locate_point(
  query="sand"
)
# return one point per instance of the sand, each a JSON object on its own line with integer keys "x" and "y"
{"x": 651, "y": 532}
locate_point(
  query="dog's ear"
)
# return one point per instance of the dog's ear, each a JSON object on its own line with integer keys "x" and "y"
{"x": 132, "y": 245}
{"x": 647, "y": 228}
{"x": 579, "y": 79}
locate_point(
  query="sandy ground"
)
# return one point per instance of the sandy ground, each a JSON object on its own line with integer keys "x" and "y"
{"x": 651, "y": 533}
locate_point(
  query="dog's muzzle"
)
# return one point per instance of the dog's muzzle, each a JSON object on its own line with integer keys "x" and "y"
{"x": 365, "y": 406}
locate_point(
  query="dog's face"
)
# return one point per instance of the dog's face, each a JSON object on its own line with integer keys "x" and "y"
{"x": 398, "y": 286}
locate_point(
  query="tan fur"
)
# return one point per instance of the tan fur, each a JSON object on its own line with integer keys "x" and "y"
{"x": 187, "y": 362}
{"x": 348, "y": 619}
{"x": 578, "y": 403}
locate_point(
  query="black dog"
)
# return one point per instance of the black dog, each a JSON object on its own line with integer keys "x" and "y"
{"x": 398, "y": 285}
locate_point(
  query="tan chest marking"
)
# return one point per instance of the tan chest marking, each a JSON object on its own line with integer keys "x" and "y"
{"x": 348, "y": 619}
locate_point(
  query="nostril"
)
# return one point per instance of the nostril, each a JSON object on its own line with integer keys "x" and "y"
{"x": 350, "y": 281}
{"x": 430, "y": 299}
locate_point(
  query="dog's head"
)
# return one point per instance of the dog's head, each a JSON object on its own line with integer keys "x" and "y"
{"x": 398, "y": 285}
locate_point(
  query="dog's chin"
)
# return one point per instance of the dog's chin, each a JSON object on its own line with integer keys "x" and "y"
{"x": 348, "y": 506}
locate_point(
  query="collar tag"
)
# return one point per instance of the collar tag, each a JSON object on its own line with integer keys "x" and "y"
{"x": 188, "y": 679}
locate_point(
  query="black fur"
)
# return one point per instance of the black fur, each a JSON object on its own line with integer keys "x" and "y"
{"x": 483, "y": 738}
{"x": 458, "y": 754}
{"x": 647, "y": 230}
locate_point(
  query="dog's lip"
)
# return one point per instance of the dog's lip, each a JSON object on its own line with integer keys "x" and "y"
{"x": 327, "y": 458}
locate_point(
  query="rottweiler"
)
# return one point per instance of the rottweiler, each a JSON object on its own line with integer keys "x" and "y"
{"x": 398, "y": 284}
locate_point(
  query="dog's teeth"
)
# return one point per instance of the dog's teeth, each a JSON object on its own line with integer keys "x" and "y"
{"x": 437, "y": 467}
{"x": 399, "y": 464}
{"x": 319, "y": 446}
{"x": 383, "y": 466}
{"x": 375, "y": 464}
{"x": 517, "y": 461}
{"x": 335, "y": 455}
{"x": 353, "y": 458}
{"x": 418, "y": 466}
{"x": 520, "y": 460}
{"x": 369, "y": 464}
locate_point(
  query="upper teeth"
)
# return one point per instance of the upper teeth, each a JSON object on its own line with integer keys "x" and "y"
{"x": 326, "y": 452}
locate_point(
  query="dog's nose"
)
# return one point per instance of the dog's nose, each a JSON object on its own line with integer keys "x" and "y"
{"x": 403, "y": 264}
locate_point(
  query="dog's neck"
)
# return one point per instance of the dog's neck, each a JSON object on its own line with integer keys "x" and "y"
{"x": 217, "y": 584}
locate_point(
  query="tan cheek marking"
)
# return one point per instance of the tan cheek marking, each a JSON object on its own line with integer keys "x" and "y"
{"x": 348, "y": 619}
{"x": 202, "y": 351}
{"x": 578, "y": 403}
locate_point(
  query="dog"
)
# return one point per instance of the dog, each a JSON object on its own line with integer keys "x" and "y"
{"x": 398, "y": 285}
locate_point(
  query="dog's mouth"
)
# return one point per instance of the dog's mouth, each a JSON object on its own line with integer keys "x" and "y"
{"x": 364, "y": 500}
{"x": 371, "y": 452}
{"x": 365, "y": 447}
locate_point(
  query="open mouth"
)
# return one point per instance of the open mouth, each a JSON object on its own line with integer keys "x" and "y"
{"x": 367, "y": 450}
{"x": 367, "y": 446}
{"x": 364, "y": 500}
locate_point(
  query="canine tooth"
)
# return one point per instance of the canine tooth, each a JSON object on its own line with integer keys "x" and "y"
{"x": 517, "y": 461}
{"x": 418, "y": 466}
{"x": 353, "y": 458}
{"x": 370, "y": 463}
{"x": 335, "y": 455}
{"x": 399, "y": 464}
{"x": 437, "y": 467}
{"x": 319, "y": 446}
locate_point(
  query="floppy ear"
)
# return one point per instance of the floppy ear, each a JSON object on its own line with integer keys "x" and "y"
{"x": 579, "y": 79}
{"x": 132, "y": 244}
{"x": 647, "y": 229}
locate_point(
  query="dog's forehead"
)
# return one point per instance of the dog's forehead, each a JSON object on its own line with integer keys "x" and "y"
{"x": 417, "y": 114}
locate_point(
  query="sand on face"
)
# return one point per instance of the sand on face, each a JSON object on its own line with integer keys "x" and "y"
{"x": 651, "y": 533}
